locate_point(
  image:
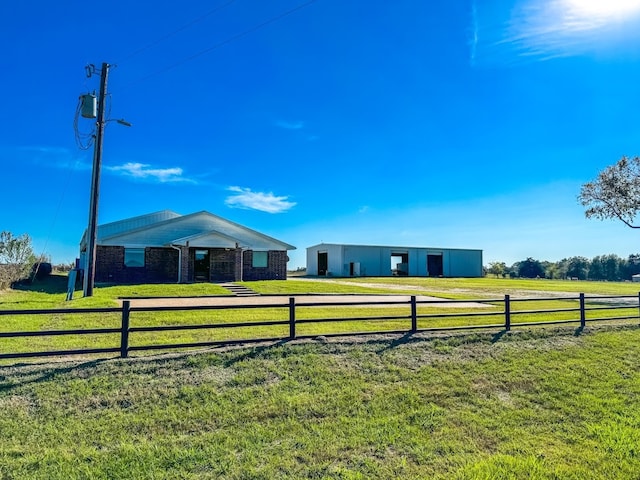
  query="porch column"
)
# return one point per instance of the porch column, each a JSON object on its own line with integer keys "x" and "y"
{"x": 238, "y": 269}
{"x": 184, "y": 264}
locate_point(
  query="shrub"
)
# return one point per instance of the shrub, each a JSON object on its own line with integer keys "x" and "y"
{"x": 10, "y": 274}
{"x": 16, "y": 257}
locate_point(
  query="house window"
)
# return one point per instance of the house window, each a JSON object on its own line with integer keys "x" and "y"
{"x": 134, "y": 257}
{"x": 260, "y": 259}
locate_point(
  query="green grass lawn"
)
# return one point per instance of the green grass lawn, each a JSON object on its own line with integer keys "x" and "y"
{"x": 52, "y": 291}
{"x": 51, "y": 294}
{"x": 503, "y": 285}
{"x": 539, "y": 404}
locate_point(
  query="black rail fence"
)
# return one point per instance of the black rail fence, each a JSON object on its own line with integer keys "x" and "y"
{"x": 506, "y": 316}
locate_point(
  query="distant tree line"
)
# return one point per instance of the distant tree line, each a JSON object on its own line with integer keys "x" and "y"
{"x": 602, "y": 267}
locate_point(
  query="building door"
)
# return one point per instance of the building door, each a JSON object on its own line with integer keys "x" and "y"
{"x": 323, "y": 263}
{"x": 201, "y": 266}
{"x": 400, "y": 264}
{"x": 434, "y": 265}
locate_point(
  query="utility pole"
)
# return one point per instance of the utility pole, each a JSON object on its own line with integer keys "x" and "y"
{"x": 90, "y": 273}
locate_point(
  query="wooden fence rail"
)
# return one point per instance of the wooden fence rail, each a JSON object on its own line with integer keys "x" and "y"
{"x": 611, "y": 302}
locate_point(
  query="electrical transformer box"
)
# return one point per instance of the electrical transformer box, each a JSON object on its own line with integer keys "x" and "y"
{"x": 88, "y": 106}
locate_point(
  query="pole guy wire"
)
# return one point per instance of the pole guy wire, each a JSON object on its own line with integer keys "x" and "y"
{"x": 223, "y": 43}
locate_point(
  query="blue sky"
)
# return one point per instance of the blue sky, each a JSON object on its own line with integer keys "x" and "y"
{"x": 467, "y": 123}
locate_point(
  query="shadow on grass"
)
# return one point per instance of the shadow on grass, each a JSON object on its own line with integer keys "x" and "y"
{"x": 498, "y": 336}
{"x": 25, "y": 374}
{"x": 18, "y": 375}
{"x": 402, "y": 340}
{"x": 255, "y": 352}
{"x": 52, "y": 284}
{"x": 392, "y": 341}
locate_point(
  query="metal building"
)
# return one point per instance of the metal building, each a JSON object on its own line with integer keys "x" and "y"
{"x": 329, "y": 259}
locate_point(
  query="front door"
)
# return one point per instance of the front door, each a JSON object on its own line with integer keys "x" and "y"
{"x": 201, "y": 266}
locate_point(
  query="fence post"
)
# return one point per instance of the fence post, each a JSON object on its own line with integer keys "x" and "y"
{"x": 124, "y": 332}
{"x": 414, "y": 315}
{"x": 583, "y": 314}
{"x": 292, "y": 318}
{"x": 507, "y": 313}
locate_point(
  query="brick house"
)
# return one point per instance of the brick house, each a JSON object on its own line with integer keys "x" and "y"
{"x": 166, "y": 247}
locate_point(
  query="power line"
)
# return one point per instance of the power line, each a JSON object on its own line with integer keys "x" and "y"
{"x": 227, "y": 41}
{"x": 83, "y": 140}
{"x": 178, "y": 30}
{"x": 65, "y": 188}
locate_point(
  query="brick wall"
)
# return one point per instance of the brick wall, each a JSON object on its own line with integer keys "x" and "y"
{"x": 238, "y": 267}
{"x": 190, "y": 266}
{"x": 186, "y": 265}
{"x": 276, "y": 268}
{"x": 109, "y": 264}
{"x": 223, "y": 264}
{"x": 161, "y": 266}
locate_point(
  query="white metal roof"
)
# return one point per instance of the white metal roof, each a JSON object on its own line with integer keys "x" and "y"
{"x": 397, "y": 247}
{"x": 202, "y": 229}
{"x": 128, "y": 224}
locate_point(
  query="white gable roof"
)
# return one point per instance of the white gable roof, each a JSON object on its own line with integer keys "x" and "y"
{"x": 201, "y": 229}
{"x": 128, "y": 224}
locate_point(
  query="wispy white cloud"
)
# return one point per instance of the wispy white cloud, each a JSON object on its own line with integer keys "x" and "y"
{"x": 44, "y": 149}
{"x": 265, "y": 202}
{"x": 297, "y": 125}
{"x": 473, "y": 40}
{"x": 46, "y": 156}
{"x": 546, "y": 29}
{"x": 64, "y": 158}
{"x": 144, "y": 171}
{"x": 363, "y": 209}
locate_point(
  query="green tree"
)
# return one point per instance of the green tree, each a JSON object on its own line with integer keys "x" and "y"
{"x": 512, "y": 271}
{"x": 530, "y": 268}
{"x": 577, "y": 267}
{"x": 497, "y": 268}
{"x": 596, "y": 269}
{"x": 607, "y": 267}
{"x": 611, "y": 264}
{"x": 16, "y": 258}
{"x": 615, "y": 193}
{"x": 551, "y": 269}
{"x": 632, "y": 266}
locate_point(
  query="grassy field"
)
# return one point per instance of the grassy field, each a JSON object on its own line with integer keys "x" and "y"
{"x": 538, "y": 403}
{"x": 488, "y": 287}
